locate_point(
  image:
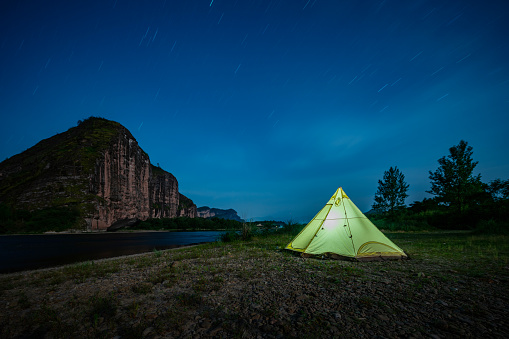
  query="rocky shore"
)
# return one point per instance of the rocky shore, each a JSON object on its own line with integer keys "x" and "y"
{"x": 256, "y": 290}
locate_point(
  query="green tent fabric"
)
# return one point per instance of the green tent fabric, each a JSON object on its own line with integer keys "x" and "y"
{"x": 341, "y": 229}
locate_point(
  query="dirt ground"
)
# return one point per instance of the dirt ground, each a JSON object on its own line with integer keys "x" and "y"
{"x": 247, "y": 291}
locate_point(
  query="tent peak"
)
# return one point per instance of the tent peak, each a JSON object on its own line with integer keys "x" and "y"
{"x": 338, "y": 195}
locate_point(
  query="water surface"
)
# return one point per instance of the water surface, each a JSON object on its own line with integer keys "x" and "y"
{"x": 26, "y": 252}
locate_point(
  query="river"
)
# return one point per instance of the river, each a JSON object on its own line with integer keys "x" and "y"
{"x": 28, "y": 252}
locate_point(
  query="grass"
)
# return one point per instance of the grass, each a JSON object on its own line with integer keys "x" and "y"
{"x": 192, "y": 274}
{"x": 458, "y": 245}
{"x": 78, "y": 273}
{"x": 142, "y": 288}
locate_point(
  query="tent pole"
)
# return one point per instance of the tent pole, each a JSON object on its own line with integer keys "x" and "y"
{"x": 349, "y": 230}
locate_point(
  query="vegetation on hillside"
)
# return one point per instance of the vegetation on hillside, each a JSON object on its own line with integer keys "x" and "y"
{"x": 55, "y": 219}
{"x": 69, "y": 155}
{"x": 184, "y": 202}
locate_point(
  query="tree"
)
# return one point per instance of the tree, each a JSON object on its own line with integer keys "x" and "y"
{"x": 391, "y": 193}
{"x": 453, "y": 183}
{"x": 498, "y": 189}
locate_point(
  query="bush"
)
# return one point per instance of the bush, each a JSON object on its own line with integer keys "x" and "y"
{"x": 246, "y": 233}
{"x": 408, "y": 225}
{"x": 492, "y": 227}
{"x": 292, "y": 228}
{"x": 228, "y": 236}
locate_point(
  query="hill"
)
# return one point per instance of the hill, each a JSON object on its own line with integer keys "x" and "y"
{"x": 98, "y": 170}
{"x": 207, "y": 212}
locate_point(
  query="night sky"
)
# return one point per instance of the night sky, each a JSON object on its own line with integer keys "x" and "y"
{"x": 266, "y": 107}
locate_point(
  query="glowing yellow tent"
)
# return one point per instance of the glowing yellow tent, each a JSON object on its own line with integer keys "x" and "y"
{"x": 341, "y": 229}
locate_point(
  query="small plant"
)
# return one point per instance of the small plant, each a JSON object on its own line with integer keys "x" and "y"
{"x": 105, "y": 307}
{"x": 133, "y": 309}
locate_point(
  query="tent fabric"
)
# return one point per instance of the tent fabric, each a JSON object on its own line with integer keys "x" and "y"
{"x": 340, "y": 228}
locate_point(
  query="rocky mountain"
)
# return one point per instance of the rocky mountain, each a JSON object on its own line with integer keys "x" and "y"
{"x": 207, "y": 212}
{"x": 98, "y": 168}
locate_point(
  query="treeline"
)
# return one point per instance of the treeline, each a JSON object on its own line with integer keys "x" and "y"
{"x": 461, "y": 200}
{"x": 56, "y": 219}
{"x": 189, "y": 224}
{"x": 484, "y": 217}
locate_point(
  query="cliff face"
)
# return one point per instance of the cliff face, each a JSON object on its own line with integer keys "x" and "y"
{"x": 97, "y": 167}
{"x": 120, "y": 181}
{"x": 186, "y": 207}
{"x": 164, "y": 195}
{"x": 207, "y": 212}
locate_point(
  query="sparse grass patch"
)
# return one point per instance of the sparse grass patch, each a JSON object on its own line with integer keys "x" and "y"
{"x": 133, "y": 309}
{"x": 82, "y": 271}
{"x": 201, "y": 285}
{"x": 182, "y": 255}
{"x": 142, "y": 288}
{"x": 143, "y": 261}
{"x": 23, "y": 300}
{"x": 341, "y": 271}
{"x": 133, "y": 331}
{"x": 166, "y": 274}
{"x": 6, "y": 284}
{"x": 102, "y": 307}
{"x": 245, "y": 274}
{"x": 218, "y": 279}
{"x": 157, "y": 253}
{"x": 39, "y": 322}
{"x": 189, "y": 299}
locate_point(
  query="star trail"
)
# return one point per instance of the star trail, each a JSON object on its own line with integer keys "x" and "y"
{"x": 263, "y": 106}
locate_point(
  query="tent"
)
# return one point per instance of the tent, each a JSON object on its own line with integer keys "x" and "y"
{"x": 341, "y": 230}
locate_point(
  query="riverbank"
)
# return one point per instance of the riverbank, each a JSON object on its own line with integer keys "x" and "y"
{"x": 454, "y": 286}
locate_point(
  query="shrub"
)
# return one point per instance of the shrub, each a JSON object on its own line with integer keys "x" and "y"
{"x": 246, "y": 232}
{"x": 492, "y": 227}
{"x": 228, "y": 236}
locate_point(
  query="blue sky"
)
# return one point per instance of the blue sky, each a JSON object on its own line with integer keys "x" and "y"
{"x": 266, "y": 106}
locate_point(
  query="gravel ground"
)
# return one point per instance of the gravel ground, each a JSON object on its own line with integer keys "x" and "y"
{"x": 244, "y": 291}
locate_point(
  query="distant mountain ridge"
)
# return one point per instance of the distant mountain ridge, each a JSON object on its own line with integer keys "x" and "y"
{"x": 97, "y": 168}
{"x": 207, "y": 212}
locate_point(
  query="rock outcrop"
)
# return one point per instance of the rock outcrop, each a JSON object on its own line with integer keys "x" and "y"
{"x": 207, "y": 212}
{"x": 120, "y": 180}
{"x": 186, "y": 207}
{"x": 164, "y": 194}
{"x": 97, "y": 167}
